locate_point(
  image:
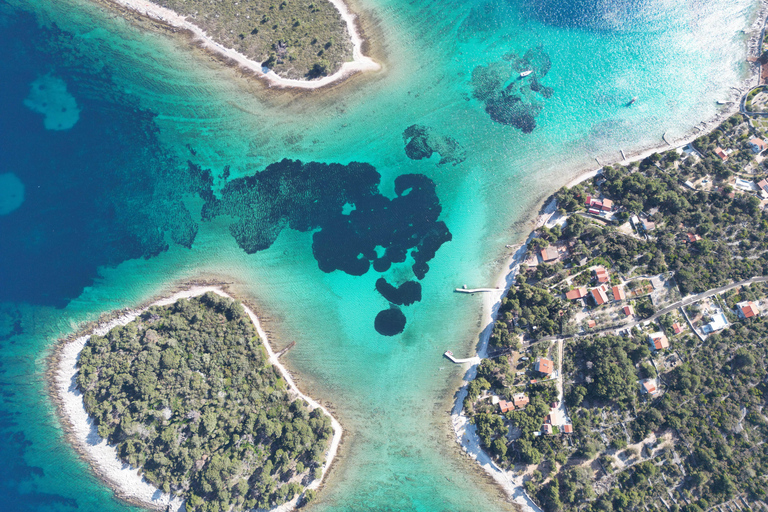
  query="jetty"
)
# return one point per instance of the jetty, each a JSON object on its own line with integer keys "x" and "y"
{"x": 476, "y": 290}
{"x": 473, "y": 360}
{"x": 286, "y": 349}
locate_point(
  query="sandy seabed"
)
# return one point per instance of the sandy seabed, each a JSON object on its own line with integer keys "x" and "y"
{"x": 125, "y": 480}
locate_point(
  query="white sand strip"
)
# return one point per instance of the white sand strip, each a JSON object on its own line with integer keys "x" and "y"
{"x": 466, "y": 433}
{"x": 125, "y": 480}
{"x": 359, "y": 63}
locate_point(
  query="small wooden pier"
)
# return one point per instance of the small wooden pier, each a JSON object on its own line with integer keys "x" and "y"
{"x": 476, "y": 290}
{"x": 453, "y": 359}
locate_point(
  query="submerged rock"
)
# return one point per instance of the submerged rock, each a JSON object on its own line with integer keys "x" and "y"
{"x": 423, "y": 142}
{"x": 313, "y": 196}
{"x": 390, "y": 322}
{"x": 509, "y": 97}
{"x": 403, "y": 295}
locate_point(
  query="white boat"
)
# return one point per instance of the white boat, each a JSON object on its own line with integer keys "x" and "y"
{"x": 722, "y": 102}
{"x": 526, "y": 73}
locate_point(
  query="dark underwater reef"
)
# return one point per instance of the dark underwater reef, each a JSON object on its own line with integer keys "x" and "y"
{"x": 356, "y": 227}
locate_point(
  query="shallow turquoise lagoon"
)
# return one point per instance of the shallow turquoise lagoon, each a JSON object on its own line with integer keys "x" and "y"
{"x": 114, "y": 198}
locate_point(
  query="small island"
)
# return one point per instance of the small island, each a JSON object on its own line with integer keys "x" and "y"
{"x": 296, "y": 39}
{"x": 291, "y": 43}
{"x": 187, "y": 393}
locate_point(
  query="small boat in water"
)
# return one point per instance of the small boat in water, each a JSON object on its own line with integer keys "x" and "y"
{"x": 722, "y": 102}
{"x": 632, "y": 101}
{"x": 526, "y": 73}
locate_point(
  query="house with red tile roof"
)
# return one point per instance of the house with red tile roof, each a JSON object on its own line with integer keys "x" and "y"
{"x": 505, "y": 406}
{"x": 599, "y": 295}
{"x": 568, "y": 428}
{"x": 677, "y": 328}
{"x": 602, "y": 275}
{"x": 722, "y": 154}
{"x": 658, "y": 341}
{"x": 618, "y": 293}
{"x": 544, "y": 365}
{"x": 598, "y": 205}
{"x": 576, "y": 293}
{"x": 692, "y": 238}
{"x": 546, "y": 428}
{"x": 649, "y": 386}
{"x": 628, "y": 311}
{"x": 748, "y": 309}
{"x": 591, "y": 323}
{"x": 549, "y": 253}
{"x": 520, "y": 400}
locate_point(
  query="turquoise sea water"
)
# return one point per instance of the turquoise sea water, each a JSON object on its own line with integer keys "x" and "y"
{"x": 112, "y": 212}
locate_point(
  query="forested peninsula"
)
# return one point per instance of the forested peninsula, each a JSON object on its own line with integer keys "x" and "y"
{"x": 186, "y": 393}
{"x": 626, "y": 368}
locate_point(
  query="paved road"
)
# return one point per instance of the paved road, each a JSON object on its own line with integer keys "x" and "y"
{"x": 684, "y": 302}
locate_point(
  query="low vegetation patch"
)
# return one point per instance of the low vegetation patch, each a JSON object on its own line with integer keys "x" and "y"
{"x": 300, "y": 39}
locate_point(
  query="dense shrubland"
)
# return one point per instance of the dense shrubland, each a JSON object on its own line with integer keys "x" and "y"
{"x": 186, "y": 393}
{"x": 295, "y": 38}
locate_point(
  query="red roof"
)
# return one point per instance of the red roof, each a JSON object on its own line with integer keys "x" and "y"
{"x": 677, "y": 328}
{"x": 748, "y": 309}
{"x": 629, "y": 311}
{"x": 693, "y": 238}
{"x": 599, "y": 295}
{"x": 618, "y": 293}
{"x": 601, "y": 274}
{"x": 547, "y": 428}
{"x": 549, "y": 253}
{"x": 607, "y": 205}
{"x": 521, "y": 400}
{"x": 568, "y": 428}
{"x": 576, "y": 293}
{"x": 649, "y": 386}
{"x": 506, "y": 406}
{"x": 763, "y": 185}
{"x": 591, "y": 323}
{"x": 545, "y": 366}
{"x": 723, "y": 156}
{"x": 659, "y": 341}
{"x": 588, "y": 202}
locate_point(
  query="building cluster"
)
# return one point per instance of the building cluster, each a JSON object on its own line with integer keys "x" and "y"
{"x": 519, "y": 401}
{"x": 545, "y": 367}
{"x": 603, "y": 293}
